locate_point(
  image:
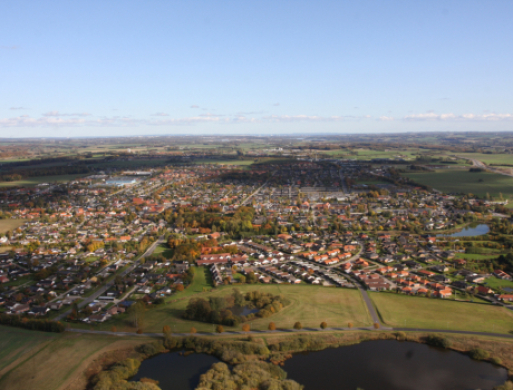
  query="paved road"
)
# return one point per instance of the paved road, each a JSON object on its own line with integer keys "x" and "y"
{"x": 104, "y": 288}
{"x": 507, "y": 336}
{"x": 367, "y": 300}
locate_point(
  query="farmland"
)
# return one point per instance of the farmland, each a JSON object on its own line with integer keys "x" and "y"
{"x": 34, "y": 181}
{"x": 463, "y": 181}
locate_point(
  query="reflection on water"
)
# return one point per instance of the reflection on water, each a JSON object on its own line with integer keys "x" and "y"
{"x": 175, "y": 371}
{"x": 470, "y": 231}
{"x": 391, "y": 365}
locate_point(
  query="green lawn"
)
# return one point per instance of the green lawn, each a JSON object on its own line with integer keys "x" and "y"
{"x": 164, "y": 250}
{"x": 33, "y": 181}
{"x": 495, "y": 158}
{"x": 463, "y": 181}
{"x": 223, "y": 162}
{"x": 495, "y": 283}
{"x": 417, "y": 312}
{"x": 473, "y": 256}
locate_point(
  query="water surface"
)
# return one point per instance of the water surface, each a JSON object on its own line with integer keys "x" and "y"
{"x": 392, "y": 365}
{"x": 175, "y": 371}
{"x": 469, "y": 231}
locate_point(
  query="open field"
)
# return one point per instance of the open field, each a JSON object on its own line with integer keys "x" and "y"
{"x": 309, "y": 304}
{"x": 33, "y": 181}
{"x": 49, "y": 361}
{"x": 417, "y": 312}
{"x": 495, "y": 158}
{"x": 10, "y": 224}
{"x": 473, "y": 256}
{"x": 463, "y": 181}
{"x": 222, "y": 162}
{"x": 495, "y": 283}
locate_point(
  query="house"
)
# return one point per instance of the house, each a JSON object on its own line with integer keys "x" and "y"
{"x": 501, "y": 275}
{"x": 505, "y": 297}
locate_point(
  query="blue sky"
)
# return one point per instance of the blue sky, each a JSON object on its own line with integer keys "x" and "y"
{"x": 100, "y": 68}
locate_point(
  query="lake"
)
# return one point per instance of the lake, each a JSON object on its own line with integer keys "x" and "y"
{"x": 392, "y": 365}
{"x": 175, "y": 371}
{"x": 469, "y": 231}
{"x": 372, "y": 365}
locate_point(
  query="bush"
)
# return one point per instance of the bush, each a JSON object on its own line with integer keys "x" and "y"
{"x": 219, "y": 329}
{"x": 349, "y": 325}
{"x": 193, "y": 330}
{"x": 400, "y": 336}
{"x": 376, "y": 325}
{"x": 32, "y": 323}
{"x": 497, "y": 361}
{"x": 166, "y": 329}
{"x": 298, "y": 326}
{"x": 324, "y": 325}
{"x": 479, "y": 354}
{"x": 438, "y": 341}
{"x": 272, "y": 326}
{"x": 245, "y": 327}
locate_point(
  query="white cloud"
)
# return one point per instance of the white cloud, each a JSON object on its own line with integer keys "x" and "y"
{"x": 311, "y": 118}
{"x": 58, "y": 114}
{"x": 431, "y": 116}
{"x": 160, "y": 114}
{"x": 386, "y": 118}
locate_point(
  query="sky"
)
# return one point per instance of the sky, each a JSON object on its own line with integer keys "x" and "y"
{"x": 122, "y": 68}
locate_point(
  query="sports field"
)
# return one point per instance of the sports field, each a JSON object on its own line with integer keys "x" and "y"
{"x": 418, "y": 312}
{"x": 463, "y": 181}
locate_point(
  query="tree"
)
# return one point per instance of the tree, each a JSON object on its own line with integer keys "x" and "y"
{"x": 298, "y": 326}
{"x": 376, "y": 325}
{"x": 166, "y": 330}
{"x": 349, "y": 324}
{"x": 219, "y": 329}
{"x": 246, "y": 327}
{"x": 272, "y": 326}
{"x": 113, "y": 329}
{"x": 179, "y": 287}
{"x": 193, "y": 330}
{"x": 324, "y": 325}
{"x": 136, "y": 314}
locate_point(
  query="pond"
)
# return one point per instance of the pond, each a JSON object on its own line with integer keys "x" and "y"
{"x": 242, "y": 310}
{"x": 469, "y": 231}
{"x": 175, "y": 371}
{"x": 372, "y": 365}
{"x": 392, "y": 365}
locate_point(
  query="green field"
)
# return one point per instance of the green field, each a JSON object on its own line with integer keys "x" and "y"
{"x": 163, "y": 250}
{"x": 10, "y": 224}
{"x": 473, "y": 256}
{"x": 33, "y": 181}
{"x": 495, "y": 158}
{"x": 495, "y": 283}
{"x": 463, "y": 181}
{"x": 417, "y": 312}
{"x": 310, "y": 305}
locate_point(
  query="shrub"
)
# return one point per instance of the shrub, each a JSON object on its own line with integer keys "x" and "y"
{"x": 166, "y": 329}
{"x": 219, "y": 329}
{"x": 438, "y": 341}
{"x": 376, "y": 325}
{"x": 400, "y": 336}
{"x": 139, "y": 331}
{"x": 245, "y": 327}
{"x": 324, "y": 325}
{"x": 272, "y": 326}
{"x": 298, "y": 326}
{"x": 496, "y": 360}
{"x": 193, "y": 330}
{"x": 349, "y": 325}
{"x": 479, "y": 354}
{"x": 113, "y": 329}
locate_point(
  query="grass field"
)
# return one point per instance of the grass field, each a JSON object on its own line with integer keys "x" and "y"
{"x": 416, "y": 312}
{"x": 10, "y": 224}
{"x": 48, "y": 361}
{"x": 163, "y": 250}
{"x": 33, "y": 181}
{"x": 463, "y": 181}
{"x": 495, "y": 283}
{"x": 310, "y": 305}
{"x": 473, "y": 256}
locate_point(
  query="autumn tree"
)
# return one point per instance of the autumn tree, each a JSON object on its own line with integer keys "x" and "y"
{"x": 166, "y": 330}
{"x": 246, "y": 327}
{"x": 193, "y": 330}
{"x": 324, "y": 325}
{"x": 219, "y": 329}
{"x": 298, "y": 326}
{"x": 272, "y": 326}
